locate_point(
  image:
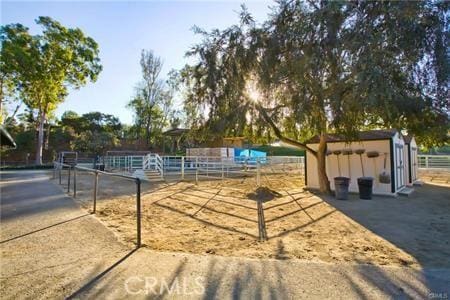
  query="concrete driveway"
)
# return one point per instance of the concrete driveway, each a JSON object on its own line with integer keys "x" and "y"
{"x": 51, "y": 248}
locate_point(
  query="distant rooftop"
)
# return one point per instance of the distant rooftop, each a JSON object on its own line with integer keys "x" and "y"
{"x": 175, "y": 132}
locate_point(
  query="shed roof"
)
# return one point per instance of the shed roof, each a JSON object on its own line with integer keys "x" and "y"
{"x": 6, "y": 139}
{"x": 407, "y": 138}
{"x": 369, "y": 135}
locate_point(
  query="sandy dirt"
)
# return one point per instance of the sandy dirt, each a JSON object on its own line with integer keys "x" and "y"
{"x": 435, "y": 177}
{"x": 221, "y": 217}
{"x": 50, "y": 248}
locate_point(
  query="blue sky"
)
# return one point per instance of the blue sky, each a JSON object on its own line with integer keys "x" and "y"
{"x": 122, "y": 29}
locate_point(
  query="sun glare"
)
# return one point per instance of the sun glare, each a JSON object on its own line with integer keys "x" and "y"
{"x": 253, "y": 91}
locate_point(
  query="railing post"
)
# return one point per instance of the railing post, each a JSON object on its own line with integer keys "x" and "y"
{"x": 54, "y": 170}
{"x": 75, "y": 182}
{"x": 138, "y": 211}
{"x": 60, "y": 167}
{"x": 426, "y": 162}
{"x": 196, "y": 176}
{"x": 95, "y": 191}
{"x": 258, "y": 173}
{"x": 68, "y": 181}
{"x": 182, "y": 167}
{"x": 222, "y": 171}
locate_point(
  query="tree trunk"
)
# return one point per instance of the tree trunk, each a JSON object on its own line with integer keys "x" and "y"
{"x": 47, "y": 137}
{"x": 147, "y": 134}
{"x": 40, "y": 140}
{"x": 320, "y": 154}
{"x": 324, "y": 183}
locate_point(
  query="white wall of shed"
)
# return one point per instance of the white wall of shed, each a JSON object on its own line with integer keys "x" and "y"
{"x": 372, "y": 166}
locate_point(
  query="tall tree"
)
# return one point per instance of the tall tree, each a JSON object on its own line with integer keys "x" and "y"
{"x": 149, "y": 92}
{"x": 45, "y": 66}
{"x": 327, "y": 67}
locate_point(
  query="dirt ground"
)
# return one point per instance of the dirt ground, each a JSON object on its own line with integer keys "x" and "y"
{"x": 221, "y": 217}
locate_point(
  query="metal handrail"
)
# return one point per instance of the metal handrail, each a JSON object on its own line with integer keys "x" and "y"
{"x": 59, "y": 166}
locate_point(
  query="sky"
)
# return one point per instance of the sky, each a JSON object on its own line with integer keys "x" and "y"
{"x": 122, "y": 29}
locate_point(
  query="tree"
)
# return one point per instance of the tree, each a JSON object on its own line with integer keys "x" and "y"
{"x": 95, "y": 142}
{"x": 327, "y": 67}
{"x": 93, "y": 132}
{"x": 43, "y": 67}
{"x": 149, "y": 93}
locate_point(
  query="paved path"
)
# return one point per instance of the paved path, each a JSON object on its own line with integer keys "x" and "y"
{"x": 50, "y": 248}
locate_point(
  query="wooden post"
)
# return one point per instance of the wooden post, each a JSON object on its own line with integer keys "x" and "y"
{"x": 182, "y": 167}
{"x": 68, "y": 181}
{"x": 138, "y": 211}
{"x": 95, "y": 191}
{"x": 74, "y": 182}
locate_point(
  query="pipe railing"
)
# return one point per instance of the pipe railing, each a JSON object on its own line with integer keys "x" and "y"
{"x": 209, "y": 166}
{"x": 73, "y": 168}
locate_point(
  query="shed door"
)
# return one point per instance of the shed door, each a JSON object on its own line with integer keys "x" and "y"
{"x": 413, "y": 164}
{"x": 399, "y": 166}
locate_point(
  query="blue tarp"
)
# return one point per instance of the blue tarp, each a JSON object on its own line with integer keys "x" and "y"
{"x": 248, "y": 155}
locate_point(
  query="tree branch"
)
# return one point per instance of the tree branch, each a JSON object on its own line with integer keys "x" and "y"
{"x": 278, "y": 132}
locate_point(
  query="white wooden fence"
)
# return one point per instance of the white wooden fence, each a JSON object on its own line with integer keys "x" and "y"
{"x": 434, "y": 161}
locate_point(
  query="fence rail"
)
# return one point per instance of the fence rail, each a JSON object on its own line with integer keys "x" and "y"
{"x": 178, "y": 167}
{"x": 59, "y": 167}
{"x": 434, "y": 161}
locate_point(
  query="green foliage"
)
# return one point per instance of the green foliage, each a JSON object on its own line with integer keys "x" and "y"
{"x": 92, "y": 132}
{"x": 95, "y": 142}
{"x": 153, "y": 100}
{"x": 330, "y": 66}
{"x": 93, "y": 121}
{"x": 42, "y": 67}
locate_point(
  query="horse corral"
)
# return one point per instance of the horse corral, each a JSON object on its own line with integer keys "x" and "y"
{"x": 269, "y": 215}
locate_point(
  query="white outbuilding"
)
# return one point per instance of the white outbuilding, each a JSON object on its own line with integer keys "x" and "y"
{"x": 380, "y": 154}
{"x": 411, "y": 161}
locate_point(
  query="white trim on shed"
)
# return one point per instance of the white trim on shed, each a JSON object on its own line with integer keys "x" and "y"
{"x": 388, "y": 143}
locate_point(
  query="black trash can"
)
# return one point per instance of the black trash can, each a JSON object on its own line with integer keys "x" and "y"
{"x": 341, "y": 187}
{"x": 365, "y": 185}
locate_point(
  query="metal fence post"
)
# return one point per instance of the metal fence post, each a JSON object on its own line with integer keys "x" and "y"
{"x": 68, "y": 181}
{"x": 182, "y": 167}
{"x": 138, "y": 211}
{"x": 258, "y": 173}
{"x": 74, "y": 182}
{"x": 54, "y": 170}
{"x": 60, "y": 167}
{"x": 196, "y": 176}
{"x": 95, "y": 191}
